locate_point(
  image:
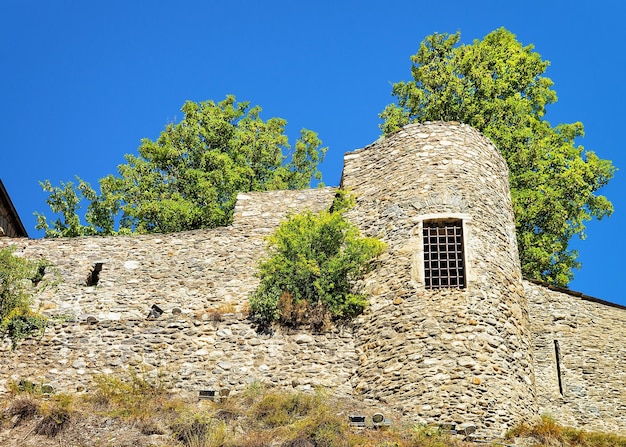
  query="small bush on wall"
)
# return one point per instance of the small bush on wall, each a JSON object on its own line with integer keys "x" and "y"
{"x": 314, "y": 259}
{"x": 19, "y": 279}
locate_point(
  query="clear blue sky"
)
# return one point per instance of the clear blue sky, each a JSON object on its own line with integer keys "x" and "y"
{"x": 81, "y": 82}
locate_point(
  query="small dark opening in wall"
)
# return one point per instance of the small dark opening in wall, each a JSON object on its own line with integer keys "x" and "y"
{"x": 206, "y": 394}
{"x": 557, "y": 355}
{"x": 94, "y": 275}
{"x": 155, "y": 312}
{"x": 357, "y": 420}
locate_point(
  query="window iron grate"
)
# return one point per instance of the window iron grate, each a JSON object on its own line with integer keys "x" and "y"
{"x": 443, "y": 255}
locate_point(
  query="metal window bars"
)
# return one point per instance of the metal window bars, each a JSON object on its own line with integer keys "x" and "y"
{"x": 443, "y": 254}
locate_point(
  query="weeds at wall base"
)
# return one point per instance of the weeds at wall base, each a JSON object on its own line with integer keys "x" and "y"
{"x": 148, "y": 414}
{"x": 548, "y": 432}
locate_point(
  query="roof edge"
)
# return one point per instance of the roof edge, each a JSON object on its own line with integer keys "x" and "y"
{"x": 4, "y": 196}
{"x": 576, "y": 294}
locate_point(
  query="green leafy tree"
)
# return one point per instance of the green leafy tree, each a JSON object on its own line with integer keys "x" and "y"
{"x": 190, "y": 176}
{"x": 497, "y": 86}
{"x": 18, "y": 279}
{"x": 65, "y": 201}
{"x": 314, "y": 259}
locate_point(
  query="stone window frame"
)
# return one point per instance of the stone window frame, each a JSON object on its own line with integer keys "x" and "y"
{"x": 418, "y": 272}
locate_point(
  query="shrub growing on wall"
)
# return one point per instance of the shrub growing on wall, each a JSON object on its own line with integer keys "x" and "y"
{"x": 18, "y": 277}
{"x": 314, "y": 259}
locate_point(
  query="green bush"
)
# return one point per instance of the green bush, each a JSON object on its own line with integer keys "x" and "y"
{"x": 314, "y": 259}
{"x": 19, "y": 279}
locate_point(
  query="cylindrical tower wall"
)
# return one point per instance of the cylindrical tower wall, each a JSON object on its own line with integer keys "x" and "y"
{"x": 447, "y": 336}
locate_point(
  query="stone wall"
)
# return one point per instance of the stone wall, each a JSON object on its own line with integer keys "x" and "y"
{"x": 591, "y": 339}
{"x": 480, "y": 355}
{"x": 200, "y": 280}
{"x": 193, "y": 271}
{"x": 191, "y": 354}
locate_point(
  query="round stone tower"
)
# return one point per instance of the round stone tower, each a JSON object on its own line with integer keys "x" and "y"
{"x": 446, "y": 338}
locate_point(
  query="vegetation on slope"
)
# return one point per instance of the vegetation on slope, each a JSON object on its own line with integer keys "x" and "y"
{"x": 136, "y": 411}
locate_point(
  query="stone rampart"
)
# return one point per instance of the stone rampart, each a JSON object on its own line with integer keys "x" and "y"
{"x": 483, "y": 354}
{"x": 193, "y": 271}
{"x": 200, "y": 280}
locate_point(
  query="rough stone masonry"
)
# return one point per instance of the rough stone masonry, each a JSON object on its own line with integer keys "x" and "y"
{"x": 493, "y": 350}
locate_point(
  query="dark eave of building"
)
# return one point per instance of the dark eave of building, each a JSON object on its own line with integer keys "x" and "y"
{"x": 580, "y": 295}
{"x": 8, "y": 204}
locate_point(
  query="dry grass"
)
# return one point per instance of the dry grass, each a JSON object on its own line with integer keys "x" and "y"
{"x": 547, "y": 432}
{"x": 302, "y": 313}
{"x": 137, "y": 411}
{"x": 200, "y": 430}
{"x": 50, "y": 414}
{"x": 217, "y": 313}
{"x": 55, "y": 418}
{"x": 22, "y": 408}
{"x": 134, "y": 397}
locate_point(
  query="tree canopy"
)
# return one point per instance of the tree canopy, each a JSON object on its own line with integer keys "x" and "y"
{"x": 190, "y": 176}
{"x": 497, "y": 86}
